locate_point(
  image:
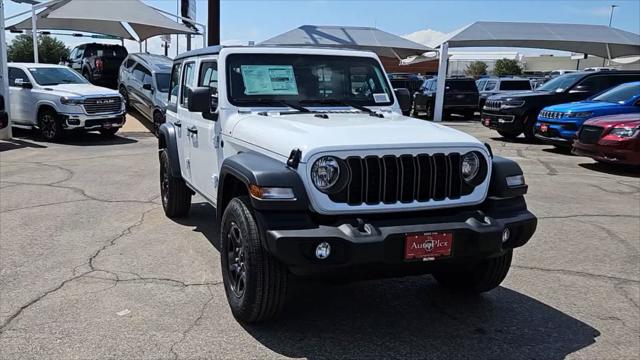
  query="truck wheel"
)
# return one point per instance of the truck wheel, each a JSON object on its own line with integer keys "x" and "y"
{"x": 176, "y": 196}
{"x": 50, "y": 126}
{"x": 254, "y": 281}
{"x": 158, "y": 120}
{"x": 125, "y": 96}
{"x": 529, "y": 128}
{"x": 87, "y": 75}
{"x": 508, "y": 135}
{"x": 429, "y": 115}
{"x": 483, "y": 277}
{"x": 109, "y": 132}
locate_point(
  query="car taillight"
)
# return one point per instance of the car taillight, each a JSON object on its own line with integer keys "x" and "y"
{"x": 99, "y": 64}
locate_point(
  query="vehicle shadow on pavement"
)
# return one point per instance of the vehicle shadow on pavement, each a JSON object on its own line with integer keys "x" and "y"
{"x": 75, "y": 138}
{"x": 13, "y": 144}
{"x": 202, "y": 218}
{"x": 613, "y": 169}
{"x": 518, "y": 140}
{"x": 414, "y": 318}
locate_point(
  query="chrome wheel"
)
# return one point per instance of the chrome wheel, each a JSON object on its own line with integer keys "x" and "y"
{"x": 236, "y": 264}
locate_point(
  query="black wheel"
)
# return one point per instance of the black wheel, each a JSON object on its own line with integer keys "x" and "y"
{"x": 469, "y": 114}
{"x": 50, "y": 125}
{"x": 158, "y": 120}
{"x": 508, "y": 135}
{"x": 429, "y": 111}
{"x": 87, "y": 75}
{"x": 529, "y": 128}
{"x": 254, "y": 281}
{"x": 109, "y": 132}
{"x": 176, "y": 196}
{"x": 482, "y": 277}
{"x": 125, "y": 96}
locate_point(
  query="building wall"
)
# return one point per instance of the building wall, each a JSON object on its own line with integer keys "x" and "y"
{"x": 549, "y": 63}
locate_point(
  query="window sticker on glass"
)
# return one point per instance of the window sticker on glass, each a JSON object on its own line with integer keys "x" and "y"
{"x": 381, "y": 98}
{"x": 269, "y": 80}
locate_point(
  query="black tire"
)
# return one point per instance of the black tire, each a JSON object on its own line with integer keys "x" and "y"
{"x": 158, "y": 120}
{"x": 125, "y": 95}
{"x": 429, "y": 111}
{"x": 87, "y": 75}
{"x": 529, "y": 128}
{"x": 508, "y": 135}
{"x": 254, "y": 281}
{"x": 469, "y": 114}
{"x": 50, "y": 125}
{"x": 176, "y": 196}
{"x": 482, "y": 277}
{"x": 109, "y": 132}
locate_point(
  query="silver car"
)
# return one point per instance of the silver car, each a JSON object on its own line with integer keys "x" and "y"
{"x": 143, "y": 81}
{"x": 499, "y": 85}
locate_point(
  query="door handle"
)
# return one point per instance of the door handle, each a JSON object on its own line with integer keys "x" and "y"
{"x": 192, "y": 129}
{"x": 178, "y": 123}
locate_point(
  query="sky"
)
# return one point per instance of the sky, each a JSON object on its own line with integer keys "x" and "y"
{"x": 422, "y": 21}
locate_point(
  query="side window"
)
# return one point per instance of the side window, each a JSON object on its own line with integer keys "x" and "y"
{"x": 141, "y": 74}
{"x": 129, "y": 63}
{"x": 79, "y": 53}
{"x": 621, "y": 79}
{"x": 480, "y": 84}
{"x": 15, "y": 73}
{"x": 173, "y": 86}
{"x": 73, "y": 53}
{"x": 595, "y": 84}
{"x": 187, "y": 80}
{"x": 209, "y": 75}
{"x": 491, "y": 84}
{"x": 433, "y": 86}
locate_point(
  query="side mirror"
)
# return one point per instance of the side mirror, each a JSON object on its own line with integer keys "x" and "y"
{"x": 203, "y": 100}
{"x": 147, "y": 87}
{"x": 23, "y": 84}
{"x": 404, "y": 100}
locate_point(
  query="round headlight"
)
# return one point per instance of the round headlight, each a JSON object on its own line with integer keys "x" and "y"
{"x": 470, "y": 166}
{"x": 325, "y": 173}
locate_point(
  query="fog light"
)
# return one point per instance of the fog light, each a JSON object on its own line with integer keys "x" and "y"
{"x": 506, "y": 234}
{"x": 73, "y": 121}
{"x": 323, "y": 250}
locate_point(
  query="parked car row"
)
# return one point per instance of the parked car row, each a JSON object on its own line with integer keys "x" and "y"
{"x": 460, "y": 97}
{"x": 98, "y": 63}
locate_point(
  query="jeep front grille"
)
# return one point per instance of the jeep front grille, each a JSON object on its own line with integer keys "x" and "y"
{"x": 103, "y": 105}
{"x": 406, "y": 178}
{"x": 551, "y": 114}
{"x": 493, "y": 104}
{"x": 590, "y": 134}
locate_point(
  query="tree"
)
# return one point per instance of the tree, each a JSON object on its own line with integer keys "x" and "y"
{"x": 50, "y": 50}
{"x": 476, "y": 69}
{"x": 507, "y": 67}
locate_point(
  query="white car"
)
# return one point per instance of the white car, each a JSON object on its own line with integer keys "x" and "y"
{"x": 54, "y": 99}
{"x": 314, "y": 171}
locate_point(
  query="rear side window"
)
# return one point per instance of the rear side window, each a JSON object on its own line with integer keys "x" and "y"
{"x": 173, "y": 86}
{"x": 187, "y": 80}
{"x": 480, "y": 84}
{"x": 515, "y": 85}
{"x": 129, "y": 63}
{"x": 615, "y": 80}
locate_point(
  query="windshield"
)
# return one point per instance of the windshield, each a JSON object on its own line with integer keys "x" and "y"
{"x": 561, "y": 83}
{"x": 619, "y": 94}
{"x": 56, "y": 76}
{"x": 162, "y": 82}
{"x": 515, "y": 85}
{"x": 256, "y": 79}
{"x": 461, "y": 85}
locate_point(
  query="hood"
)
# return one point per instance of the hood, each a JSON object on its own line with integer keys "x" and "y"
{"x": 79, "y": 90}
{"x": 630, "y": 120}
{"x": 354, "y": 131}
{"x": 519, "y": 94}
{"x": 586, "y": 105}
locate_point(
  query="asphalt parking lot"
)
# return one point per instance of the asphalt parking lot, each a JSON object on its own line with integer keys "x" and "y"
{"x": 91, "y": 268}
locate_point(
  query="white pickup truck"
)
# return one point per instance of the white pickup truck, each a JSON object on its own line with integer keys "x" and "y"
{"x": 314, "y": 172}
{"x": 55, "y": 99}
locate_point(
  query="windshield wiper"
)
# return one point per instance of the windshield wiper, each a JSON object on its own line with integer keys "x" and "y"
{"x": 342, "y": 102}
{"x": 272, "y": 101}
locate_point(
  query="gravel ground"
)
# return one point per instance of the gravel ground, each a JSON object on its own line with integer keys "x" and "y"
{"x": 91, "y": 268}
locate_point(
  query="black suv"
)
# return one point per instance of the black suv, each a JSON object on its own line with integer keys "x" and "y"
{"x": 514, "y": 113}
{"x": 4, "y": 117}
{"x": 460, "y": 97}
{"x": 98, "y": 63}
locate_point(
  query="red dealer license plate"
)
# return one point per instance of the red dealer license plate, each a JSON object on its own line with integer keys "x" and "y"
{"x": 544, "y": 128}
{"x": 427, "y": 245}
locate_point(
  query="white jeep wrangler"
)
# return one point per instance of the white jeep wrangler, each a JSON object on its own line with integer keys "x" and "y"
{"x": 314, "y": 171}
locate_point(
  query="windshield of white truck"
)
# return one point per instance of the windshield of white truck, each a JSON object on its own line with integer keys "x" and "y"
{"x": 56, "y": 76}
{"x": 314, "y": 80}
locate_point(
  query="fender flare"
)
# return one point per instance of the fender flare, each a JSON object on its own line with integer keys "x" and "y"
{"x": 501, "y": 169}
{"x": 256, "y": 169}
{"x": 167, "y": 139}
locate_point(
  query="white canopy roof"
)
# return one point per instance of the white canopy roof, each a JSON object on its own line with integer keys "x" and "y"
{"x": 106, "y": 17}
{"x": 598, "y": 40}
{"x": 365, "y": 38}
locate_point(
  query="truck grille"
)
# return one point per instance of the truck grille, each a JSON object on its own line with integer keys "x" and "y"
{"x": 103, "y": 105}
{"x": 551, "y": 114}
{"x": 590, "y": 134}
{"x": 493, "y": 104}
{"x": 406, "y": 178}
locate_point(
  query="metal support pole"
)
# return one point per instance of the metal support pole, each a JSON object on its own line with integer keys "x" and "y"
{"x": 146, "y": 48}
{"x": 442, "y": 78}
{"x": 4, "y": 75}
{"x": 214, "y": 23}
{"x": 34, "y": 32}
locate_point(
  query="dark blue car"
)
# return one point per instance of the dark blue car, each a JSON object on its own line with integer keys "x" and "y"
{"x": 558, "y": 124}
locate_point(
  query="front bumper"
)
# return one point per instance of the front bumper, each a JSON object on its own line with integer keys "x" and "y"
{"x": 558, "y": 134}
{"x": 73, "y": 121}
{"x": 626, "y": 152}
{"x": 506, "y": 122}
{"x": 477, "y": 235}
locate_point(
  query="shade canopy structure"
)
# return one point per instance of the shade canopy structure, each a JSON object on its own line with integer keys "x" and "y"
{"x": 106, "y": 17}
{"x": 598, "y": 40}
{"x": 359, "y": 38}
